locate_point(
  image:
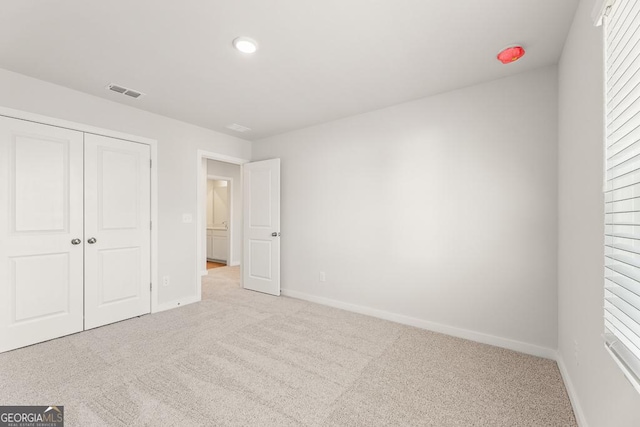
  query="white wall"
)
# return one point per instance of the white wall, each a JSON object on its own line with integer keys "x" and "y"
{"x": 439, "y": 210}
{"x": 178, "y": 143}
{"x": 217, "y": 168}
{"x": 599, "y": 391}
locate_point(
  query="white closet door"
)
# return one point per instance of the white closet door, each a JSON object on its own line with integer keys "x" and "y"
{"x": 40, "y": 216}
{"x": 117, "y": 230}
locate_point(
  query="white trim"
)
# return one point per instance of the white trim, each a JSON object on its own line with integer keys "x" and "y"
{"x": 154, "y": 228}
{"x": 153, "y": 145}
{"x": 571, "y": 391}
{"x": 176, "y": 303}
{"x": 211, "y": 155}
{"x": 629, "y": 375}
{"x": 201, "y": 214}
{"x": 52, "y": 121}
{"x": 480, "y": 337}
{"x": 230, "y": 222}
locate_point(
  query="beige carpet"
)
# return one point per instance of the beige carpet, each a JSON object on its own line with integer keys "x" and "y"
{"x": 243, "y": 358}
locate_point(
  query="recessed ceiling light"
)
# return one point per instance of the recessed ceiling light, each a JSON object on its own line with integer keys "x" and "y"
{"x": 245, "y": 44}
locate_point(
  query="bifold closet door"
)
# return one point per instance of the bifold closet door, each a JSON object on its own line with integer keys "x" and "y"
{"x": 40, "y": 232}
{"x": 117, "y": 230}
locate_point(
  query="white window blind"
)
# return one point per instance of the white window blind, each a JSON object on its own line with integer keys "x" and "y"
{"x": 622, "y": 187}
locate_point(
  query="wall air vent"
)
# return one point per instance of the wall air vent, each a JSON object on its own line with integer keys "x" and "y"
{"x": 238, "y": 128}
{"x": 124, "y": 91}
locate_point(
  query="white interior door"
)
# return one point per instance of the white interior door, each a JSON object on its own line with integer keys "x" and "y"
{"x": 261, "y": 237}
{"x": 40, "y": 215}
{"x": 117, "y": 230}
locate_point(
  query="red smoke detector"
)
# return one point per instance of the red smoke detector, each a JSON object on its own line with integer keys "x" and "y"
{"x": 511, "y": 54}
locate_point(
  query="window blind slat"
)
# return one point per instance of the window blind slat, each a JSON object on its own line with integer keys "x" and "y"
{"x": 625, "y": 334}
{"x": 619, "y": 100}
{"x": 622, "y": 218}
{"x": 625, "y": 259}
{"x": 618, "y": 16}
{"x": 626, "y": 271}
{"x": 623, "y": 129}
{"x": 614, "y": 20}
{"x": 619, "y": 312}
{"x": 622, "y": 298}
{"x": 624, "y": 111}
{"x": 623, "y": 247}
{"x": 621, "y": 152}
{"x": 625, "y": 43}
{"x": 619, "y": 229}
{"x": 623, "y": 281}
{"x": 622, "y": 194}
{"x": 626, "y": 179}
{"x": 624, "y": 166}
{"x": 624, "y": 76}
{"x": 619, "y": 66}
{"x": 622, "y": 236}
{"x": 621, "y": 337}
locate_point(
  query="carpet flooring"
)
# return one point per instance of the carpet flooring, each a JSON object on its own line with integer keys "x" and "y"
{"x": 241, "y": 358}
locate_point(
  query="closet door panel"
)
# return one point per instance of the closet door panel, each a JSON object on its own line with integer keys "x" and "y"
{"x": 41, "y": 213}
{"x": 117, "y": 229}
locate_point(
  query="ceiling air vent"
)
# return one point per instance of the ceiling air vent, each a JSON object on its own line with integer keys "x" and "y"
{"x": 124, "y": 91}
{"x": 238, "y": 128}
{"x": 133, "y": 93}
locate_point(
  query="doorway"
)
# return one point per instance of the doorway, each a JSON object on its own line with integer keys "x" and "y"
{"x": 255, "y": 220}
{"x": 219, "y": 237}
{"x": 220, "y": 224}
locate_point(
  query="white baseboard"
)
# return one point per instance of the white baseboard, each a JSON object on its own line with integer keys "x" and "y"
{"x": 571, "y": 391}
{"x": 509, "y": 344}
{"x": 204, "y": 272}
{"x": 176, "y": 304}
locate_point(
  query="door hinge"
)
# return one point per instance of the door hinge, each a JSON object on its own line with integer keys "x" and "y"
{"x": 150, "y": 163}
{"x": 150, "y": 225}
{"x": 150, "y": 286}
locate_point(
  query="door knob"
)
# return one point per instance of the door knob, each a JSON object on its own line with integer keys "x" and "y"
{"x": 76, "y": 241}
{"x": 91, "y": 240}
{"x": 274, "y": 234}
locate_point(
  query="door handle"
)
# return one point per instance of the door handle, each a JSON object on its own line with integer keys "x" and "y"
{"x": 76, "y": 241}
{"x": 274, "y": 234}
{"x": 91, "y": 240}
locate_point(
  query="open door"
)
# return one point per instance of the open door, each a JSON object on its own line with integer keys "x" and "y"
{"x": 261, "y": 237}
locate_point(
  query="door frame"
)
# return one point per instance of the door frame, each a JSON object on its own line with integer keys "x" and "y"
{"x": 152, "y": 143}
{"x": 201, "y": 212}
{"x": 230, "y": 200}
